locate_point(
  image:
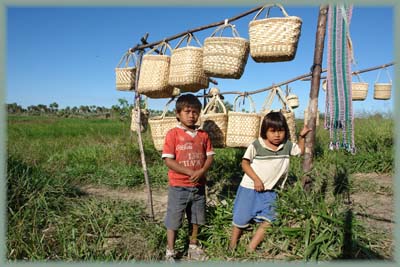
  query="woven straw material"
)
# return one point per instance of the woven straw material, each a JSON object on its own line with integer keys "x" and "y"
{"x": 186, "y": 69}
{"x": 382, "y": 91}
{"x": 125, "y": 78}
{"x": 274, "y": 39}
{"x": 292, "y": 101}
{"x": 144, "y": 118}
{"x": 242, "y": 129}
{"x": 216, "y": 125}
{"x": 153, "y": 78}
{"x": 225, "y": 57}
{"x": 359, "y": 90}
{"x": 159, "y": 127}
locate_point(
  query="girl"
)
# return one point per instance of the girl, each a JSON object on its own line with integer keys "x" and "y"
{"x": 265, "y": 165}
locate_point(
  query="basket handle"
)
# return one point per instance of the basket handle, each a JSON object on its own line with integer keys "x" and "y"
{"x": 282, "y": 99}
{"x": 269, "y": 6}
{"x": 215, "y": 100}
{"x": 359, "y": 78}
{"x": 128, "y": 56}
{"x": 166, "y": 107}
{"x": 226, "y": 25}
{"x": 252, "y": 106}
{"x": 268, "y": 101}
{"x": 379, "y": 73}
{"x": 163, "y": 48}
{"x": 189, "y": 36}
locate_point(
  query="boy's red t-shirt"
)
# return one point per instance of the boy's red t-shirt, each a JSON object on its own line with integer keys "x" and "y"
{"x": 189, "y": 149}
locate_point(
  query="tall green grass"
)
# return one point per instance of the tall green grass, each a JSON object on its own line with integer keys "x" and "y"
{"x": 49, "y": 218}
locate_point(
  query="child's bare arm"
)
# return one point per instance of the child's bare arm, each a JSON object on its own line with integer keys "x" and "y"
{"x": 175, "y": 166}
{"x": 302, "y": 136}
{"x": 258, "y": 184}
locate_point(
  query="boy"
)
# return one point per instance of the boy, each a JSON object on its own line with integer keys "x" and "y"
{"x": 188, "y": 154}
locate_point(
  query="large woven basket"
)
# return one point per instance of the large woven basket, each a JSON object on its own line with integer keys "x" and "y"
{"x": 125, "y": 76}
{"x": 159, "y": 127}
{"x": 243, "y": 127}
{"x": 286, "y": 110}
{"x": 383, "y": 91}
{"x": 274, "y": 39}
{"x": 215, "y": 123}
{"x": 359, "y": 90}
{"x": 154, "y": 73}
{"x": 186, "y": 67}
{"x": 225, "y": 57}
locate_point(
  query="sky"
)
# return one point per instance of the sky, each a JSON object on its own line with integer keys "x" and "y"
{"x": 68, "y": 54}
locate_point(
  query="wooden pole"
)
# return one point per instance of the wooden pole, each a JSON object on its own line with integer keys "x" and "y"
{"x": 140, "y": 140}
{"x": 313, "y": 103}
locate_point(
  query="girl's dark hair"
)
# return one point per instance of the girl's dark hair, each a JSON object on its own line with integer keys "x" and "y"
{"x": 274, "y": 120}
{"x": 187, "y": 100}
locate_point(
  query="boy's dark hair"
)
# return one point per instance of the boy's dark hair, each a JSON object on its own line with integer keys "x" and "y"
{"x": 187, "y": 100}
{"x": 274, "y": 120}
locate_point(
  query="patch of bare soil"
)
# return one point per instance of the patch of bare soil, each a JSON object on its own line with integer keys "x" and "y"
{"x": 159, "y": 196}
{"x": 373, "y": 203}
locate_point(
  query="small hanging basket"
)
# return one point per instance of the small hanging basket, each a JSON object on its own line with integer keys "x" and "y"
{"x": 274, "y": 39}
{"x": 359, "y": 90}
{"x": 186, "y": 68}
{"x": 215, "y": 124}
{"x": 292, "y": 100}
{"x": 382, "y": 91}
{"x": 125, "y": 76}
{"x": 286, "y": 110}
{"x": 160, "y": 125}
{"x": 154, "y": 72}
{"x": 225, "y": 57}
{"x": 243, "y": 127}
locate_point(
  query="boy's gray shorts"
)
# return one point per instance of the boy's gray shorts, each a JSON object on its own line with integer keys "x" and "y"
{"x": 189, "y": 200}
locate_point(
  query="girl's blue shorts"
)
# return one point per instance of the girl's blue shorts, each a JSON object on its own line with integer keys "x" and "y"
{"x": 251, "y": 205}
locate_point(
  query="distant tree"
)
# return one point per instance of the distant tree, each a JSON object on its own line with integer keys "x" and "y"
{"x": 14, "y": 108}
{"x": 53, "y": 107}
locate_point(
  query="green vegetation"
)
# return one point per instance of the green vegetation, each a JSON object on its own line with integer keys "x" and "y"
{"x": 50, "y": 218}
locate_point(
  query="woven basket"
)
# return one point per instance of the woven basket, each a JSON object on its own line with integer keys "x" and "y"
{"x": 243, "y": 127}
{"x": 306, "y": 117}
{"x": 144, "y": 118}
{"x": 159, "y": 127}
{"x": 225, "y": 57}
{"x": 292, "y": 100}
{"x": 359, "y": 90}
{"x": 215, "y": 124}
{"x": 383, "y": 91}
{"x": 186, "y": 67}
{"x": 274, "y": 39}
{"x": 286, "y": 110}
{"x": 154, "y": 72}
{"x": 125, "y": 76}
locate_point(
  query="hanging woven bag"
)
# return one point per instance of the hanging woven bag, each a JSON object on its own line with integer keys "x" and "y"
{"x": 292, "y": 100}
{"x": 215, "y": 123}
{"x": 225, "y": 57}
{"x": 243, "y": 127}
{"x": 186, "y": 67}
{"x": 160, "y": 125}
{"x": 286, "y": 110}
{"x": 359, "y": 90}
{"x": 125, "y": 75}
{"x": 274, "y": 39}
{"x": 382, "y": 91}
{"x": 154, "y": 72}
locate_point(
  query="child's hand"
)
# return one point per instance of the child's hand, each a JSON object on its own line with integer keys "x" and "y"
{"x": 305, "y": 131}
{"x": 196, "y": 175}
{"x": 258, "y": 185}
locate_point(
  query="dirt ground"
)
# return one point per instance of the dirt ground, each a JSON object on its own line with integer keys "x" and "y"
{"x": 372, "y": 202}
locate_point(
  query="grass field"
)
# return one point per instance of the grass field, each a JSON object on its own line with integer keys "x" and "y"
{"x": 51, "y": 218}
